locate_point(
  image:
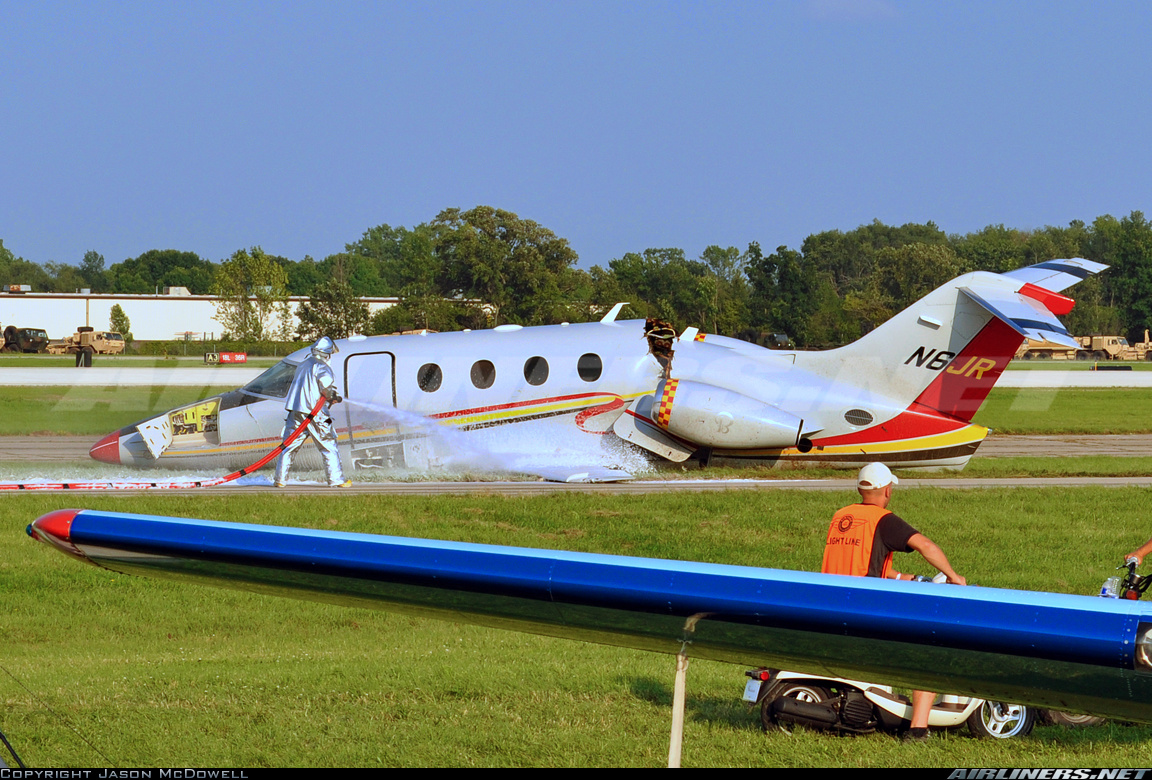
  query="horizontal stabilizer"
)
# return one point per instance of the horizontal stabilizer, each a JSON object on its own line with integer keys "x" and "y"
{"x": 1057, "y": 275}
{"x": 1023, "y": 314}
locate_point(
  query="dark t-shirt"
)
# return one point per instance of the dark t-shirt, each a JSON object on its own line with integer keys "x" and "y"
{"x": 892, "y": 535}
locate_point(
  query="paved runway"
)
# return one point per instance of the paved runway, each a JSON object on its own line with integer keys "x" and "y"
{"x": 200, "y": 376}
{"x": 74, "y": 449}
{"x": 63, "y": 449}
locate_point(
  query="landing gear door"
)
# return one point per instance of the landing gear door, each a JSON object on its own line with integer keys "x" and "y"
{"x": 157, "y": 434}
{"x": 369, "y": 401}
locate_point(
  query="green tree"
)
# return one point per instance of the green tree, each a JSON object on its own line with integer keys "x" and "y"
{"x": 253, "y": 292}
{"x": 417, "y": 311}
{"x": 789, "y": 295}
{"x": 17, "y": 270}
{"x": 901, "y": 276}
{"x": 159, "y": 268}
{"x": 65, "y": 278}
{"x": 93, "y": 273}
{"x": 303, "y": 276}
{"x": 847, "y": 259}
{"x": 663, "y": 283}
{"x": 332, "y": 310}
{"x": 1126, "y": 246}
{"x": 404, "y": 259}
{"x": 512, "y": 265}
{"x": 995, "y": 248}
{"x": 118, "y": 322}
{"x": 730, "y": 306}
{"x": 1050, "y": 243}
{"x": 1091, "y": 313}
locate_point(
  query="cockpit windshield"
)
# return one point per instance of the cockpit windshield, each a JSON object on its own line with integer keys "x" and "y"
{"x": 274, "y": 382}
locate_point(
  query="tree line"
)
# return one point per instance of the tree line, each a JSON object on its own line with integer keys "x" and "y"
{"x": 485, "y": 267}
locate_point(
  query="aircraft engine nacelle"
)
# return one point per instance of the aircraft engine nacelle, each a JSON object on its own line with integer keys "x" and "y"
{"x": 715, "y": 417}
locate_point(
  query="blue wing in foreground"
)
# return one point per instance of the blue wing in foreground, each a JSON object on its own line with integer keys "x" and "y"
{"x": 1067, "y": 652}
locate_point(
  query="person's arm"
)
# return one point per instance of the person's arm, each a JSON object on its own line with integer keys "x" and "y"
{"x": 1140, "y": 553}
{"x": 932, "y": 553}
{"x": 326, "y": 381}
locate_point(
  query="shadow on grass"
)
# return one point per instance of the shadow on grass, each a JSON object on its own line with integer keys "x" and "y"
{"x": 1111, "y": 732}
{"x": 701, "y": 709}
{"x": 735, "y": 713}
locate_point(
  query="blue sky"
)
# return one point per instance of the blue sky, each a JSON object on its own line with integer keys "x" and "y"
{"x": 214, "y": 126}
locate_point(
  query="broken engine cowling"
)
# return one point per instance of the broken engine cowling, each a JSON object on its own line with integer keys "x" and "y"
{"x": 715, "y": 417}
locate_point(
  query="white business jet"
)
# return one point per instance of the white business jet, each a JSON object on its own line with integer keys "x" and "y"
{"x": 904, "y": 394}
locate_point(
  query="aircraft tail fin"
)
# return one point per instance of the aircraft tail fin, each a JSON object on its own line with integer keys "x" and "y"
{"x": 942, "y": 355}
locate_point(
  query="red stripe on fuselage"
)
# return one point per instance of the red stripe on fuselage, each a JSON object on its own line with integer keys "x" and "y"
{"x": 909, "y": 424}
{"x": 521, "y": 404}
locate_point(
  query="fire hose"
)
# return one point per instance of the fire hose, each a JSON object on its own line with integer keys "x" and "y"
{"x": 174, "y": 484}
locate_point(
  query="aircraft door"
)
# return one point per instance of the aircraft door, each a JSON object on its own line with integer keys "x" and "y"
{"x": 369, "y": 404}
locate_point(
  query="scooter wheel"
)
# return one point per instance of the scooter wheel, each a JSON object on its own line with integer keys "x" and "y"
{"x": 799, "y": 691}
{"x": 998, "y": 720}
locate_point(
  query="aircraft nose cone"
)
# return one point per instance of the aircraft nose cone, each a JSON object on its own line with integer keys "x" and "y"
{"x": 107, "y": 450}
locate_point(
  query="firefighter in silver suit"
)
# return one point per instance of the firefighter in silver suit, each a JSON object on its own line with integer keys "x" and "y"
{"x": 314, "y": 380}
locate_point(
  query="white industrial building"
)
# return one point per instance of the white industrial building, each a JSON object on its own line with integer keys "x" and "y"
{"x": 175, "y": 314}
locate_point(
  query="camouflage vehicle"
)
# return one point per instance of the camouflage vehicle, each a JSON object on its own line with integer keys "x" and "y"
{"x": 87, "y": 340}
{"x": 24, "y": 339}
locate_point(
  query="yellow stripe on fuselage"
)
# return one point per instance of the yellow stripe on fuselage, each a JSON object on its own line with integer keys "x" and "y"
{"x": 450, "y": 419}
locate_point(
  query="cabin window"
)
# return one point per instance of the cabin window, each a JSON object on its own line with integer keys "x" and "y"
{"x": 429, "y": 377}
{"x": 274, "y": 382}
{"x": 589, "y": 367}
{"x": 536, "y": 370}
{"x": 483, "y": 374}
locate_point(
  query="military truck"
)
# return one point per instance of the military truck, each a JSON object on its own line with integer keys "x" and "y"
{"x": 1091, "y": 348}
{"x": 87, "y": 340}
{"x": 24, "y": 339}
{"x": 1112, "y": 348}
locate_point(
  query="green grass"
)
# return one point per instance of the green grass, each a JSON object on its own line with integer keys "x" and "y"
{"x": 120, "y": 361}
{"x": 1086, "y": 466}
{"x": 981, "y": 466}
{"x": 156, "y": 673}
{"x": 88, "y": 411}
{"x": 1070, "y": 410}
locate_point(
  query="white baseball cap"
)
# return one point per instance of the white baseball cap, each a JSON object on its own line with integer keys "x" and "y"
{"x": 875, "y": 476}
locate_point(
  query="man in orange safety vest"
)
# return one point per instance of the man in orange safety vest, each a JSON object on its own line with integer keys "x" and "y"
{"x": 862, "y": 539}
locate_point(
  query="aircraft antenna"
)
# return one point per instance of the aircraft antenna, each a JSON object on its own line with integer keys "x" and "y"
{"x": 613, "y": 313}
